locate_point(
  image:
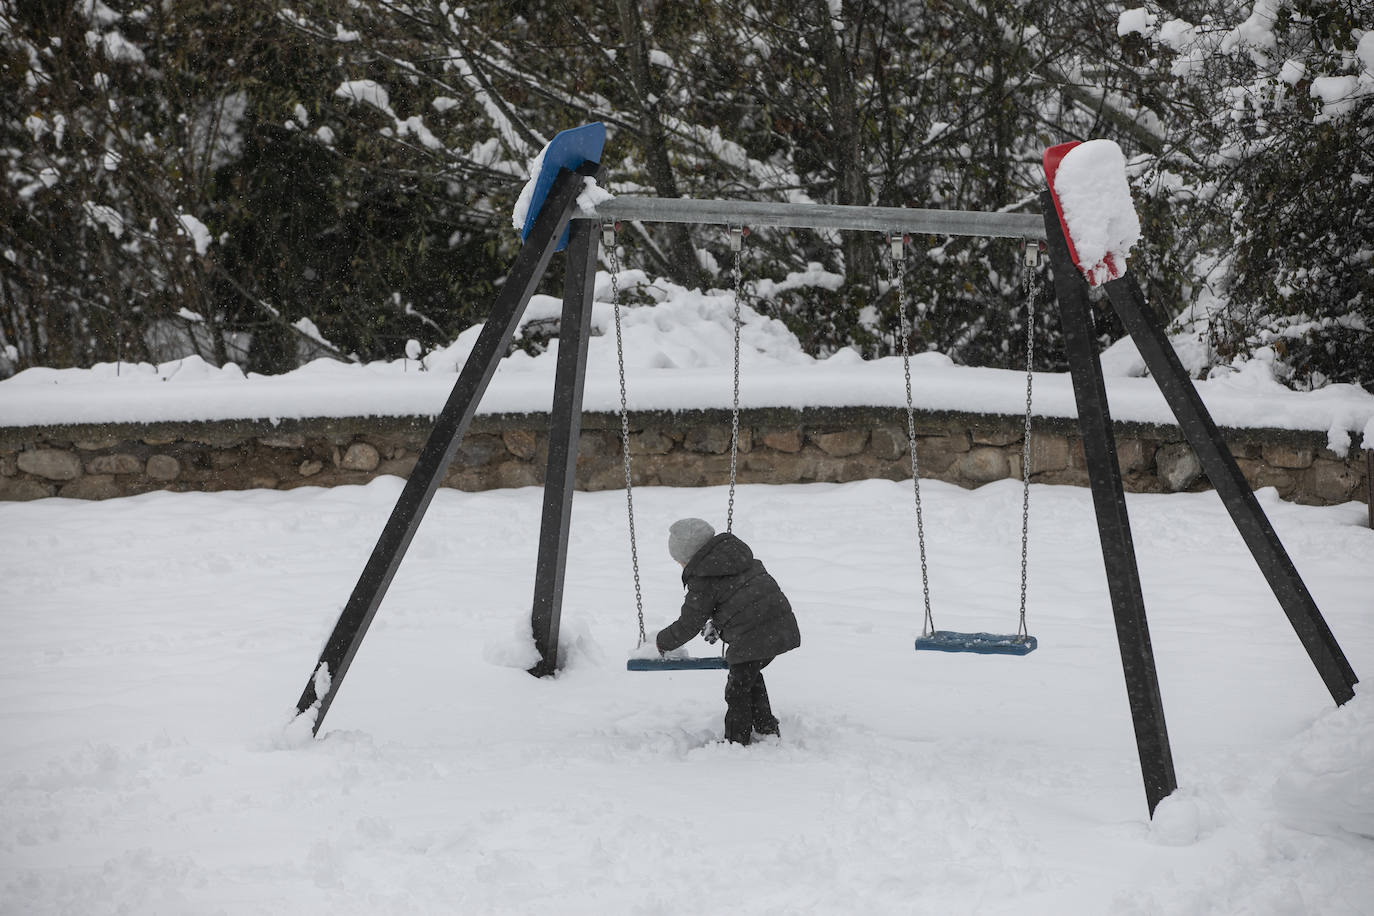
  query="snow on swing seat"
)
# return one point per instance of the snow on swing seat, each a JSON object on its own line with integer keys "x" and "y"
{"x": 686, "y": 663}
{"x": 977, "y": 643}
{"x": 647, "y": 658}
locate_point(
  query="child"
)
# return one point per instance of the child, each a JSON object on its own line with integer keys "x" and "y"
{"x": 730, "y": 594}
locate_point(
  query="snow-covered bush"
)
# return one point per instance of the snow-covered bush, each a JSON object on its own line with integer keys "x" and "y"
{"x": 352, "y": 164}
{"x": 1272, "y": 103}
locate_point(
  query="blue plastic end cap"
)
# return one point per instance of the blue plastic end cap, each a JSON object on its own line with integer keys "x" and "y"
{"x": 567, "y": 150}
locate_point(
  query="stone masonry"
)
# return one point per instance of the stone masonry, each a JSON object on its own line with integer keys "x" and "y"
{"x": 680, "y": 449}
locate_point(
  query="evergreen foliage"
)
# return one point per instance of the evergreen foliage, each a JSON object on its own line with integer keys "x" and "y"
{"x": 353, "y": 164}
{"x": 1275, "y": 179}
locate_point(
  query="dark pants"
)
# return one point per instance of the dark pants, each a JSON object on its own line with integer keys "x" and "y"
{"x": 746, "y": 703}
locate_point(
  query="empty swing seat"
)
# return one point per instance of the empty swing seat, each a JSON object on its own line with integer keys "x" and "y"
{"x": 978, "y": 643}
{"x": 676, "y": 664}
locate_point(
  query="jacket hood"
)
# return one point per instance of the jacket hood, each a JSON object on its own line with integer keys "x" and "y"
{"x": 723, "y": 555}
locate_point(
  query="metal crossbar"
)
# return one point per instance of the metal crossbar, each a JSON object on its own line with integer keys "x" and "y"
{"x": 891, "y": 220}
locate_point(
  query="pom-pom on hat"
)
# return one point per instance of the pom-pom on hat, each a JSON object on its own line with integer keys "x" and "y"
{"x": 686, "y": 536}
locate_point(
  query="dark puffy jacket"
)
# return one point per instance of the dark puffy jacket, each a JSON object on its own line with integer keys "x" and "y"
{"x": 726, "y": 585}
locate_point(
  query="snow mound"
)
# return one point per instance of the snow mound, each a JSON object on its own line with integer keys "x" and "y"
{"x": 679, "y": 352}
{"x": 1325, "y": 786}
{"x": 1184, "y": 818}
{"x": 517, "y": 650}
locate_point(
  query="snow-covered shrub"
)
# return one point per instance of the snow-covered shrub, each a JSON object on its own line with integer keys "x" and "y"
{"x": 1272, "y": 103}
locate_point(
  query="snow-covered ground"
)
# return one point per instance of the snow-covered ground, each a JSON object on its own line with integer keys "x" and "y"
{"x": 152, "y": 649}
{"x": 678, "y": 353}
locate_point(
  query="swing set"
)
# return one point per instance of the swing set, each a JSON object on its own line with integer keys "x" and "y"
{"x": 556, "y": 220}
{"x": 931, "y": 639}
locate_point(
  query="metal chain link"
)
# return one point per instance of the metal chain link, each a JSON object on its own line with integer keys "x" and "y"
{"x": 1032, "y": 285}
{"x": 736, "y": 243}
{"x": 897, "y": 252}
{"x": 625, "y": 430}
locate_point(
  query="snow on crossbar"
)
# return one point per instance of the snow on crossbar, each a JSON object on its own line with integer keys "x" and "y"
{"x": 978, "y": 643}
{"x": 818, "y": 216}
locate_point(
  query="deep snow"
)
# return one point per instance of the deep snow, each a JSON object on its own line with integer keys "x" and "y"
{"x": 152, "y": 649}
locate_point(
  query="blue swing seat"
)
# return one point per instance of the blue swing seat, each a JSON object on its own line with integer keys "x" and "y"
{"x": 978, "y": 643}
{"x": 676, "y": 664}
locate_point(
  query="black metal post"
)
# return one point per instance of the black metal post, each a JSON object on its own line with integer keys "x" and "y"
{"x": 1113, "y": 524}
{"x": 1225, "y": 475}
{"x": 442, "y": 445}
{"x": 565, "y": 425}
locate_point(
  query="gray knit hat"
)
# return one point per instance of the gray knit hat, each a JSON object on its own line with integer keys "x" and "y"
{"x": 686, "y": 536}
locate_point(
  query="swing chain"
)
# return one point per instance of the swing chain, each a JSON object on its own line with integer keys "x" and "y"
{"x": 897, "y": 251}
{"x": 608, "y": 236}
{"x": 1032, "y": 284}
{"x": 737, "y": 234}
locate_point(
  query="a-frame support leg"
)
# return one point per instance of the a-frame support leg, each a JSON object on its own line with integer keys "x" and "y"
{"x": 1113, "y": 524}
{"x": 1225, "y": 475}
{"x": 442, "y": 445}
{"x": 565, "y": 426}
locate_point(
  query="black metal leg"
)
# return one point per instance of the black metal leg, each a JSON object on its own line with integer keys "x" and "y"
{"x": 442, "y": 445}
{"x": 1113, "y": 524}
{"x": 1225, "y": 475}
{"x": 565, "y": 425}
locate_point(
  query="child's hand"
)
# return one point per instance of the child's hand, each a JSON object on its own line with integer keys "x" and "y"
{"x": 709, "y": 632}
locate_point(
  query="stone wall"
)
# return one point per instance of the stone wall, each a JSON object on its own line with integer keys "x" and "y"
{"x": 685, "y": 449}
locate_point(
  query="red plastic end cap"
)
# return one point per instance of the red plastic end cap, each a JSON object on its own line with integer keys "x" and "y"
{"x": 1053, "y": 156}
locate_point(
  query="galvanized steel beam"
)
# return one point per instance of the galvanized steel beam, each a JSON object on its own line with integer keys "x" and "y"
{"x": 889, "y": 220}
